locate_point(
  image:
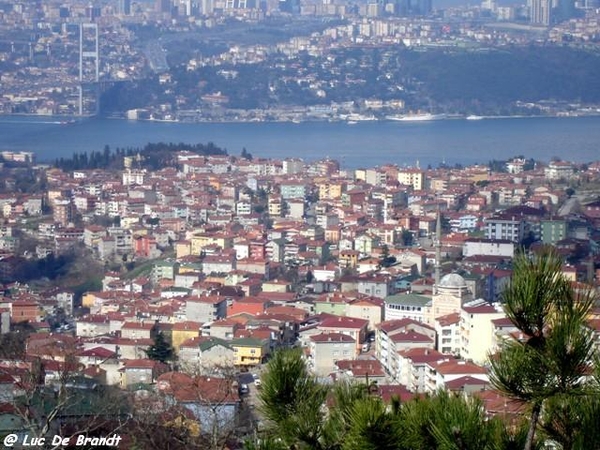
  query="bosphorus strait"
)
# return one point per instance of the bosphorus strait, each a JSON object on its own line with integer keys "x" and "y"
{"x": 364, "y": 144}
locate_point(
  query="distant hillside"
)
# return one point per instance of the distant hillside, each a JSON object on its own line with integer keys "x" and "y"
{"x": 457, "y": 80}
{"x": 504, "y": 76}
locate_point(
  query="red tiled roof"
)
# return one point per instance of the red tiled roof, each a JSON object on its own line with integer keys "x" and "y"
{"x": 98, "y": 352}
{"x": 140, "y": 364}
{"x": 387, "y": 391}
{"x": 480, "y": 309}
{"x": 410, "y": 336}
{"x": 361, "y": 367}
{"x": 343, "y": 322}
{"x": 422, "y": 355}
{"x": 453, "y": 366}
{"x": 448, "y": 319}
{"x": 461, "y": 382}
{"x": 398, "y": 324}
{"x": 503, "y": 322}
{"x": 331, "y": 337}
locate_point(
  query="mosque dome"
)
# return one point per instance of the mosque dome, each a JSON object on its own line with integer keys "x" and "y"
{"x": 452, "y": 280}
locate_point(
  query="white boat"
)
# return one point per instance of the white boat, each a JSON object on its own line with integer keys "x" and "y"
{"x": 352, "y": 122}
{"x": 417, "y": 117}
{"x": 360, "y": 118}
{"x": 472, "y": 117}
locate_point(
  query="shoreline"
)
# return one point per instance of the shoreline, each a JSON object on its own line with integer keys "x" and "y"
{"x": 66, "y": 120}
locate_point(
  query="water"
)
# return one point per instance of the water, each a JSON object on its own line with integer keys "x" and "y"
{"x": 365, "y": 144}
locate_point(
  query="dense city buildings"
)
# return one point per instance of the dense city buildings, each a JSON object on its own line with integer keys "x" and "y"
{"x": 303, "y": 60}
{"x": 168, "y": 277}
{"x": 368, "y": 271}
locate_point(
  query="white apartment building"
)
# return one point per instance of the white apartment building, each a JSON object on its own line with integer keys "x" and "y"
{"x": 439, "y": 373}
{"x": 477, "y": 329}
{"x": 447, "y": 329}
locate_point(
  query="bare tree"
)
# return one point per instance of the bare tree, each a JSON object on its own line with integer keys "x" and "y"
{"x": 198, "y": 409}
{"x": 54, "y": 397}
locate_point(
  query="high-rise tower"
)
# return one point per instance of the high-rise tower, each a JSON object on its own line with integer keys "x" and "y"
{"x": 438, "y": 250}
{"x": 88, "y": 50}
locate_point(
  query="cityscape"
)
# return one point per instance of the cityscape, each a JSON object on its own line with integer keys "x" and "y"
{"x": 297, "y": 60}
{"x": 166, "y": 264}
{"x": 184, "y": 295}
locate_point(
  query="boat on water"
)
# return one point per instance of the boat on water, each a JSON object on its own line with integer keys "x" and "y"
{"x": 473, "y": 117}
{"x": 360, "y": 118}
{"x": 426, "y": 117}
{"x": 352, "y": 122}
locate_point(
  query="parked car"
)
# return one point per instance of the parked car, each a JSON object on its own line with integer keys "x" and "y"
{"x": 243, "y": 389}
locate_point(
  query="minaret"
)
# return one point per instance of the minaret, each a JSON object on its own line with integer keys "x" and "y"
{"x": 438, "y": 251}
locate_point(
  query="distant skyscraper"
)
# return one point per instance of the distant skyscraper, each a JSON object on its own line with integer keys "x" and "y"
{"x": 290, "y": 6}
{"x": 93, "y": 12}
{"x": 124, "y": 7}
{"x": 406, "y": 8}
{"x": 163, "y": 6}
{"x": 422, "y": 7}
{"x": 564, "y": 10}
{"x": 540, "y": 12}
{"x": 185, "y": 8}
{"x": 206, "y": 7}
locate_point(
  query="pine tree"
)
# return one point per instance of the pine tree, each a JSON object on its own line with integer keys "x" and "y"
{"x": 556, "y": 349}
{"x": 161, "y": 350}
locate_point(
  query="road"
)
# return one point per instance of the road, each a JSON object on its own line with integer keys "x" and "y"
{"x": 251, "y": 399}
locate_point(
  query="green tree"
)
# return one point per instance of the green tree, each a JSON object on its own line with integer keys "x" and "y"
{"x": 573, "y": 422}
{"x": 302, "y": 414}
{"x": 448, "y": 421}
{"x": 291, "y": 400}
{"x": 161, "y": 350}
{"x": 371, "y": 426}
{"x": 557, "y": 348}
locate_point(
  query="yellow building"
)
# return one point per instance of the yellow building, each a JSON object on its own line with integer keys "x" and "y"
{"x": 249, "y": 352}
{"x": 276, "y": 286}
{"x": 333, "y": 234}
{"x": 183, "y": 248}
{"x": 360, "y": 174}
{"x": 348, "y": 258}
{"x": 275, "y": 207}
{"x": 199, "y": 241}
{"x": 331, "y": 190}
{"x": 412, "y": 177}
{"x": 88, "y": 300}
{"x": 183, "y": 331}
{"x": 215, "y": 182}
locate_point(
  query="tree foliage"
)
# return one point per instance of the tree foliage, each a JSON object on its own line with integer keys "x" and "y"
{"x": 302, "y": 414}
{"x": 153, "y": 156}
{"x": 160, "y": 350}
{"x": 556, "y": 350}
